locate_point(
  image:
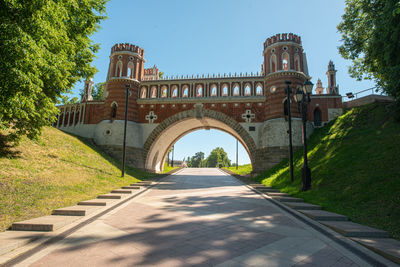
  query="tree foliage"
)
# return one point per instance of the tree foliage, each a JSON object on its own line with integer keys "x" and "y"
{"x": 98, "y": 91}
{"x": 218, "y": 158}
{"x": 44, "y": 49}
{"x": 65, "y": 100}
{"x": 371, "y": 39}
{"x": 196, "y": 161}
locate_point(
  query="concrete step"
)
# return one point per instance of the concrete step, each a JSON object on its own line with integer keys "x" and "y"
{"x": 10, "y": 240}
{"x": 386, "y": 247}
{"x": 77, "y": 210}
{"x": 96, "y": 202}
{"x": 288, "y": 199}
{"x": 351, "y": 229}
{"x": 275, "y": 194}
{"x": 253, "y": 185}
{"x": 109, "y": 196}
{"x": 144, "y": 182}
{"x": 45, "y": 223}
{"x": 140, "y": 184}
{"x": 131, "y": 187}
{"x": 268, "y": 190}
{"x": 261, "y": 187}
{"x": 302, "y": 206}
{"x": 121, "y": 191}
{"x": 322, "y": 215}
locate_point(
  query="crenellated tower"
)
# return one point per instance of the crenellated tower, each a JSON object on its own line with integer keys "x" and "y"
{"x": 331, "y": 73}
{"x": 284, "y": 60}
{"x": 126, "y": 67}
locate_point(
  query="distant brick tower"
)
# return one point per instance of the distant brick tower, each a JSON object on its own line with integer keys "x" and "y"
{"x": 319, "y": 90}
{"x": 284, "y": 59}
{"x": 87, "y": 94}
{"x": 332, "y": 88}
{"x": 126, "y": 67}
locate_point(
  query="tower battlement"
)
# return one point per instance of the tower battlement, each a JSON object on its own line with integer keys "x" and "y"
{"x": 127, "y": 47}
{"x": 282, "y": 37}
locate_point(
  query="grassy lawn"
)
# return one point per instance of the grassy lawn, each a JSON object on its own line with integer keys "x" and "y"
{"x": 355, "y": 166}
{"x": 59, "y": 170}
{"x": 168, "y": 168}
{"x": 242, "y": 169}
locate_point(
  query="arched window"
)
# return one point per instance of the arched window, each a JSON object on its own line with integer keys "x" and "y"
{"x": 164, "y": 91}
{"x": 71, "y": 118}
{"x": 285, "y": 61}
{"x": 114, "y": 107}
{"x": 199, "y": 90}
{"x": 110, "y": 71}
{"x": 297, "y": 62}
{"x": 213, "y": 90}
{"x": 317, "y": 117}
{"x": 153, "y": 92}
{"x": 185, "y": 91}
{"x": 60, "y": 120}
{"x": 236, "y": 90}
{"x": 143, "y": 93}
{"x": 77, "y": 117}
{"x": 259, "y": 89}
{"x": 131, "y": 70}
{"x": 118, "y": 70}
{"x": 225, "y": 90}
{"x": 174, "y": 91}
{"x": 247, "y": 90}
{"x": 285, "y": 107}
{"x": 273, "y": 63}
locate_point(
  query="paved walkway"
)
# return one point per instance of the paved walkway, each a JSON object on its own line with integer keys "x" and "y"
{"x": 198, "y": 217}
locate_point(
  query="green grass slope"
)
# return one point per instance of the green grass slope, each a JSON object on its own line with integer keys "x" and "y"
{"x": 355, "y": 166}
{"x": 58, "y": 171}
{"x": 241, "y": 170}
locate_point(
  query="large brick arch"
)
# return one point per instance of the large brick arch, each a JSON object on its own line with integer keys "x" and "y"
{"x": 185, "y": 122}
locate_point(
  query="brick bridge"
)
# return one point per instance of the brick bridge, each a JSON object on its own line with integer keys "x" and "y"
{"x": 249, "y": 106}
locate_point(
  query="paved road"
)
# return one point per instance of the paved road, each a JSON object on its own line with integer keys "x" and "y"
{"x": 196, "y": 217}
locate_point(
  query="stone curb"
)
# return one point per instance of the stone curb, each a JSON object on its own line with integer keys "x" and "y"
{"x": 16, "y": 246}
{"x": 390, "y": 250}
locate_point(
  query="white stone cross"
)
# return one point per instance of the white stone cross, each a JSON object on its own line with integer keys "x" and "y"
{"x": 151, "y": 117}
{"x": 248, "y": 116}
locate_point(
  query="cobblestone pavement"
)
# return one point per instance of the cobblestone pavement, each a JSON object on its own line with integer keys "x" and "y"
{"x": 196, "y": 217}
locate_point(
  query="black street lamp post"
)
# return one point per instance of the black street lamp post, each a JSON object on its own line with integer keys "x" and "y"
{"x": 127, "y": 86}
{"x": 287, "y": 109}
{"x": 302, "y": 97}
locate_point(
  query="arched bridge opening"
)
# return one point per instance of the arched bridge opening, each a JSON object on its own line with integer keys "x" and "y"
{"x": 167, "y": 133}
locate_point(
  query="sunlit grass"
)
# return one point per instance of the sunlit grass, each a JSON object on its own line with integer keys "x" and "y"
{"x": 168, "y": 168}
{"x": 57, "y": 171}
{"x": 355, "y": 167}
{"x": 242, "y": 169}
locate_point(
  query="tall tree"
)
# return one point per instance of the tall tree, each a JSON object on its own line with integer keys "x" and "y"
{"x": 44, "y": 49}
{"x": 371, "y": 39}
{"x": 197, "y": 160}
{"x": 218, "y": 157}
{"x": 98, "y": 92}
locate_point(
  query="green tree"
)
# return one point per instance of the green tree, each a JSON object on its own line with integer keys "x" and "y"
{"x": 44, "y": 49}
{"x": 98, "y": 91}
{"x": 65, "y": 100}
{"x": 218, "y": 157}
{"x": 197, "y": 159}
{"x": 371, "y": 39}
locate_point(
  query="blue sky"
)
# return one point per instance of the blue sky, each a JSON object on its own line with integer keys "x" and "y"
{"x": 217, "y": 36}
